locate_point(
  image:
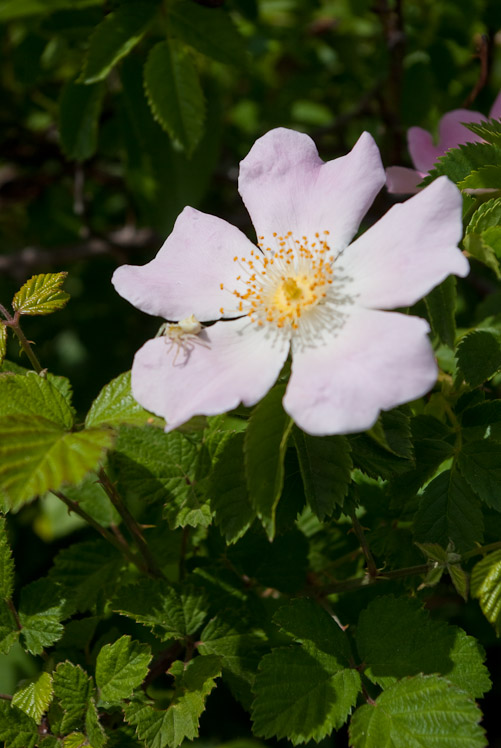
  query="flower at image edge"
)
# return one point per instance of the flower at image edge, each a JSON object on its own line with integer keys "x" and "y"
{"x": 302, "y": 289}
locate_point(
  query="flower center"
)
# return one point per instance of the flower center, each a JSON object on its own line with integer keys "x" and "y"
{"x": 286, "y": 281}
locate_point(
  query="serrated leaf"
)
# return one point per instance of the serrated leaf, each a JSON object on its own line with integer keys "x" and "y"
{"x": 265, "y": 443}
{"x": 392, "y": 432}
{"x": 441, "y": 306}
{"x": 478, "y": 356}
{"x": 6, "y": 563}
{"x": 421, "y": 711}
{"x": 174, "y": 93}
{"x": 325, "y": 465}
{"x": 79, "y": 111}
{"x": 449, "y": 510}
{"x": 169, "y": 613}
{"x": 209, "y": 30}
{"x": 9, "y": 633}
{"x": 73, "y": 687}
{"x": 459, "y": 162}
{"x": 434, "y": 551}
{"x": 459, "y": 579}
{"x": 41, "y": 294}
{"x": 120, "y": 668}
{"x": 17, "y": 730}
{"x": 477, "y": 247}
{"x": 153, "y": 466}
{"x": 3, "y": 340}
{"x": 38, "y": 456}
{"x": 35, "y": 698}
{"x": 489, "y": 130}
{"x": 229, "y": 499}
{"x": 75, "y": 740}
{"x": 486, "y": 177}
{"x": 115, "y": 406}
{"x": 115, "y": 37}
{"x": 42, "y": 607}
{"x": 95, "y": 731}
{"x": 397, "y": 638}
{"x": 485, "y": 585}
{"x": 487, "y": 215}
{"x": 31, "y": 394}
{"x": 480, "y": 465}
{"x": 160, "y": 728}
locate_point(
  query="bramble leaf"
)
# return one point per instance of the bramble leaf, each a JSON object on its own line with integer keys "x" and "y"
{"x": 485, "y": 585}
{"x": 41, "y": 294}
{"x": 120, "y": 668}
{"x": 478, "y": 356}
{"x": 480, "y": 465}
{"x": 441, "y": 306}
{"x": 35, "y": 698}
{"x": 6, "y": 563}
{"x": 485, "y": 177}
{"x": 74, "y": 689}
{"x": 489, "y": 130}
{"x": 31, "y": 394}
{"x": 174, "y": 93}
{"x": 17, "y": 730}
{"x": 459, "y": 162}
{"x": 115, "y": 406}
{"x": 229, "y": 499}
{"x": 421, "y": 711}
{"x": 79, "y": 111}
{"x": 115, "y": 37}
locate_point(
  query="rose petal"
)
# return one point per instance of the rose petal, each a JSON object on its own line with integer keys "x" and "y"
{"x": 287, "y": 187}
{"x": 409, "y": 251}
{"x": 403, "y": 181}
{"x": 377, "y": 361}
{"x": 495, "y": 112}
{"x": 186, "y": 275}
{"x": 228, "y": 363}
{"x": 451, "y": 133}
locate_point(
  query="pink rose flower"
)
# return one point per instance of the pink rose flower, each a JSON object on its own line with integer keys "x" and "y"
{"x": 304, "y": 289}
{"x": 424, "y": 153}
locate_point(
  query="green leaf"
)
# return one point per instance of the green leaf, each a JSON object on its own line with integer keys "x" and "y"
{"x": 486, "y": 177}
{"x": 42, "y": 606}
{"x": 35, "y": 698}
{"x": 33, "y": 395}
{"x": 159, "y": 728}
{"x": 325, "y": 465}
{"x": 459, "y": 162}
{"x": 115, "y": 406}
{"x": 3, "y": 340}
{"x": 264, "y": 447}
{"x": 486, "y": 216}
{"x": 489, "y": 130}
{"x": 9, "y": 633}
{"x": 21, "y": 8}
{"x": 41, "y": 294}
{"x": 174, "y": 93}
{"x": 418, "y": 712}
{"x": 479, "y": 464}
{"x": 485, "y": 585}
{"x": 441, "y": 306}
{"x": 79, "y": 111}
{"x": 229, "y": 499}
{"x": 392, "y": 432}
{"x": 477, "y": 247}
{"x": 95, "y": 731}
{"x": 120, "y": 668}
{"x": 459, "y": 579}
{"x": 16, "y": 728}
{"x": 397, "y": 638}
{"x": 449, "y": 510}
{"x": 38, "y": 456}
{"x": 6, "y": 563}
{"x": 303, "y": 692}
{"x": 478, "y": 356}
{"x": 157, "y": 467}
{"x": 168, "y": 613}
{"x": 209, "y": 30}
{"x": 74, "y": 689}
{"x": 115, "y": 37}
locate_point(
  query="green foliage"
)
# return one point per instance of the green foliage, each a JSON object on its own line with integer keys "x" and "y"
{"x": 441, "y": 307}
{"x": 115, "y": 37}
{"x": 304, "y": 692}
{"x": 458, "y": 163}
{"x": 120, "y": 668}
{"x": 80, "y": 109}
{"x": 3, "y": 340}
{"x": 35, "y": 698}
{"x": 169, "y": 727}
{"x": 18, "y": 8}
{"x": 479, "y": 464}
{"x": 229, "y": 498}
{"x": 486, "y": 586}
{"x": 6, "y": 563}
{"x": 489, "y": 130}
{"x": 425, "y": 707}
{"x": 115, "y": 406}
{"x": 41, "y": 294}
{"x": 265, "y": 444}
{"x": 174, "y": 93}
{"x": 73, "y": 688}
{"x": 17, "y": 729}
{"x": 479, "y": 356}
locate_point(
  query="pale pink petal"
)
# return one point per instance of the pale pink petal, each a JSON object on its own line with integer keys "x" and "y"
{"x": 403, "y": 181}
{"x": 377, "y": 361}
{"x": 451, "y": 133}
{"x": 287, "y": 187}
{"x": 186, "y": 275}
{"x": 227, "y": 364}
{"x": 495, "y": 112}
{"x": 409, "y": 251}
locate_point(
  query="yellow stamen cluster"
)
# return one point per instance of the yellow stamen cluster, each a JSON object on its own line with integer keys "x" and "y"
{"x": 285, "y": 282}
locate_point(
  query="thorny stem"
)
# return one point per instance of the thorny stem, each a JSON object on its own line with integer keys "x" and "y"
{"x": 13, "y": 610}
{"x": 13, "y": 323}
{"x": 121, "y": 546}
{"x": 150, "y": 565}
{"x": 359, "y": 532}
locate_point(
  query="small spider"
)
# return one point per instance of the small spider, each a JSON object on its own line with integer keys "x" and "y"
{"x": 182, "y": 334}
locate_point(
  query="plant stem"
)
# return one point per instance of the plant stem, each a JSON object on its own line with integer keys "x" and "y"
{"x": 354, "y": 584}
{"x": 73, "y": 506}
{"x": 359, "y": 532}
{"x": 6, "y": 696}
{"x": 13, "y": 610}
{"x": 482, "y": 549}
{"x": 134, "y": 529}
{"x": 13, "y": 323}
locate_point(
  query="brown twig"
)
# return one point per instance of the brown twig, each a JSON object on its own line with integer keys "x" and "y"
{"x": 482, "y": 54}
